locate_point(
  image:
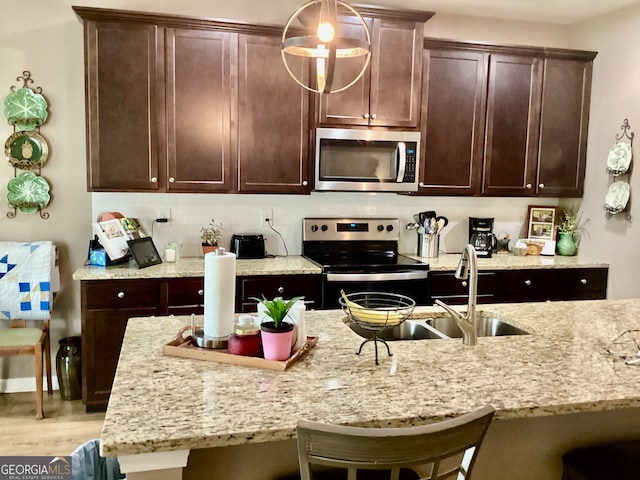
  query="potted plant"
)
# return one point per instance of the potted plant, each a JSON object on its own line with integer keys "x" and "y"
{"x": 569, "y": 231}
{"x": 210, "y": 236}
{"x": 276, "y": 334}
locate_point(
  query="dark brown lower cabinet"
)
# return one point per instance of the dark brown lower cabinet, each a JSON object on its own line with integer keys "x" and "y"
{"x": 107, "y": 305}
{"x": 535, "y": 285}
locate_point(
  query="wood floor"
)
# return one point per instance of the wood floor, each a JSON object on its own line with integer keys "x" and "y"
{"x": 65, "y": 426}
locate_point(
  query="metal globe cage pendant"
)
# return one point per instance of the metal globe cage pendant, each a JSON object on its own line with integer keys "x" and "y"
{"x": 324, "y": 45}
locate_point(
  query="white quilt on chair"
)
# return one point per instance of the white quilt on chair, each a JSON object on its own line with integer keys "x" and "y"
{"x": 26, "y": 280}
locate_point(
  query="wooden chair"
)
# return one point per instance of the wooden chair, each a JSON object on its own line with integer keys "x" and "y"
{"x": 21, "y": 339}
{"x": 444, "y": 450}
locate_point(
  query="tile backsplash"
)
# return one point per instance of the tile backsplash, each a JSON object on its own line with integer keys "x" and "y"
{"x": 242, "y": 214}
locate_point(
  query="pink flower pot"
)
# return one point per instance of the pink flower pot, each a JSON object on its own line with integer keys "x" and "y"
{"x": 276, "y": 343}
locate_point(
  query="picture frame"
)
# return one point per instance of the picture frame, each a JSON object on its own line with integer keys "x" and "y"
{"x": 144, "y": 252}
{"x": 541, "y": 222}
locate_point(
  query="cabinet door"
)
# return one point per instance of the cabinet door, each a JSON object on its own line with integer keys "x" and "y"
{"x": 198, "y": 86}
{"x": 446, "y": 287}
{"x": 271, "y": 104}
{"x": 452, "y": 124}
{"x": 124, "y": 112}
{"x": 286, "y": 286}
{"x": 396, "y": 74}
{"x": 581, "y": 284}
{"x": 513, "y": 120}
{"x": 183, "y": 296}
{"x": 526, "y": 285}
{"x": 566, "y": 92}
{"x": 351, "y": 106}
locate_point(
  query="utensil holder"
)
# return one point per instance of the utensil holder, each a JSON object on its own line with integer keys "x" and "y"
{"x": 428, "y": 245}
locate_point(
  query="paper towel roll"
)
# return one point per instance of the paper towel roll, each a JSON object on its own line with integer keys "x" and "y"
{"x": 219, "y": 294}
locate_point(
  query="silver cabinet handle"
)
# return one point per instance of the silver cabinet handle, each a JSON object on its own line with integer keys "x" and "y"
{"x": 527, "y": 282}
{"x": 529, "y": 186}
{"x": 280, "y": 289}
{"x": 154, "y": 179}
{"x": 583, "y": 281}
{"x": 172, "y": 180}
{"x": 541, "y": 185}
{"x": 366, "y": 115}
{"x": 201, "y": 292}
{"x": 374, "y": 116}
{"x": 464, "y": 283}
{"x": 120, "y": 294}
{"x": 305, "y": 183}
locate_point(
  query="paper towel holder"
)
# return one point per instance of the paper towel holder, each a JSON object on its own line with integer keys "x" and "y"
{"x": 199, "y": 339}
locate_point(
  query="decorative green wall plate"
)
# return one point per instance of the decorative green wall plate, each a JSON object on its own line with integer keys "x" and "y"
{"x": 25, "y": 109}
{"x": 28, "y": 192}
{"x": 26, "y": 150}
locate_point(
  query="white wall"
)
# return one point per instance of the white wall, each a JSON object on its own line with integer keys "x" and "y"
{"x": 615, "y": 97}
{"x": 46, "y": 39}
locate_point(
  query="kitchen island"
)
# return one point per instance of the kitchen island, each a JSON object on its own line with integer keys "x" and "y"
{"x": 553, "y": 389}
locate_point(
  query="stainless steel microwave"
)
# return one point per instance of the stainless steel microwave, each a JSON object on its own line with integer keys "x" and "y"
{"x": 366, "y": 160}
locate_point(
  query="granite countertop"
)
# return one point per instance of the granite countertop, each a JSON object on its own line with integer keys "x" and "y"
{"x": 194, "y": 267}
{"x": 163, "y": 403}
{"x": 292, "y": 265}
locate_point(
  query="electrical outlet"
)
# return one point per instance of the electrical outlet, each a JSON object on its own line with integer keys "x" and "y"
{"x": 266, "y": 214}
{"x": 164, "y": 213}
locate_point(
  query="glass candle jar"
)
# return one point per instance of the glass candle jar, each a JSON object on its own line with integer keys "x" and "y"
{"x": 245, "y": 340}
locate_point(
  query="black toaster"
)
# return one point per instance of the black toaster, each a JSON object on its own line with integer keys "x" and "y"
{"x": 248, "y": 245}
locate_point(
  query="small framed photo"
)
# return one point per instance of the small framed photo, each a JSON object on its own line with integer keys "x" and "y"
{"x": 541, "y": 222}
{"x": 144, "y": 252}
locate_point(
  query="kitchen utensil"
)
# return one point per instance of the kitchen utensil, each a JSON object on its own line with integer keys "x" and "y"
{"x": 441, "y": 223}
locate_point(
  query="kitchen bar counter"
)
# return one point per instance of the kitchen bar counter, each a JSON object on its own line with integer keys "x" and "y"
{"x": 161, "y": 403}
{"x": 292, "y": 265}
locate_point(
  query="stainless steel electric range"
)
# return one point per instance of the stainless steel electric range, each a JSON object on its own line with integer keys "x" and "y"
{"x": 361, "y": 255}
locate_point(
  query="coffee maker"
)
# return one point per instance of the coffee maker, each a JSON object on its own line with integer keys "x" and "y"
{"x": 481, "y": 236}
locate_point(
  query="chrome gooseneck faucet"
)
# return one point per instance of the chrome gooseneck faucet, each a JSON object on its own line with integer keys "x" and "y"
{"x": 467, "y": 269}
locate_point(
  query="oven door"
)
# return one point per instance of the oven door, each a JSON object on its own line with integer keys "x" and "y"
{"x": 414, "y": 284}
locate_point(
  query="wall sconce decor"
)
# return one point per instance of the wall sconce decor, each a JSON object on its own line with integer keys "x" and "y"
{"x": 326, "y": 43}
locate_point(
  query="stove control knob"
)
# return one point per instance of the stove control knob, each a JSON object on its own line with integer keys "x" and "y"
{"x": 380, "y": 228}
{"x": 324, "y": 228}
{"x": 389, "y": 228}
{"x": 314, "y": 228}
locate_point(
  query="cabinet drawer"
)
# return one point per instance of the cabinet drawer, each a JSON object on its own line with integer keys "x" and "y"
{"x": 286, "y": 286}
{"x": 581, "y": 283}
{"x": 446, "y": 284}
{"x": 120, "y": 294}
{"x": 188, "y": 291}
{"x": 526, "y": 285}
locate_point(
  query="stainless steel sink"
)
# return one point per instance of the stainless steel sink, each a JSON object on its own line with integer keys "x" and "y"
{"x": 408, "y": 330}
{"x": 487, "y": 325}
{"x": 441, "y": 325}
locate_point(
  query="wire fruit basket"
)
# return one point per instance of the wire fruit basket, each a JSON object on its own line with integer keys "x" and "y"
{"x": 374, "y": 312}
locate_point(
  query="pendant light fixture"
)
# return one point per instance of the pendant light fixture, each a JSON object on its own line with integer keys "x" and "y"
{"x": 323, "y": 43}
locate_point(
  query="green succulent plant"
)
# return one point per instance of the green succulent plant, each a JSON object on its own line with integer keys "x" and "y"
{"x": 277, "y": 308}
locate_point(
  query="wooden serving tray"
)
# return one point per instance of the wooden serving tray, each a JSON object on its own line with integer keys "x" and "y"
{"x": 182, "y": 347}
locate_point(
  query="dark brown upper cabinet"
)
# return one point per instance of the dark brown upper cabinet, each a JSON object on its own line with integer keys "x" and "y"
{"x": 453, "y": 106}
{"x": 177, "y": 104}
{"x": 273, "y": 120}
{"x": 504, "y": 121}
{"x": 388, "y": 94}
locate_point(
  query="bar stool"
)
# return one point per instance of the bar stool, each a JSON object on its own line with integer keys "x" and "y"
{"x": 446, "y": 449}
{"x": 607, "y": 461}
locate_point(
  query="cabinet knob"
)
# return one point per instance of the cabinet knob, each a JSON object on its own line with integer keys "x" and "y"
{"x": 421, "y": 184}
{"x": 529, "y": 186}
{"x": 527, "y": 282}
{"x": 366, "y": 115}
{"x": 305, "y": 183}
{"x": 120, "y": 294}
{"x": 541, "y": 185}
{"x": 280, "y": 289}
{"x": 172, "y": 180}
{"x": 201, "y": 292}
{"x": 464, "y": 283}
{"x": 374, "y": 116}
{"x": 154, "y": 179}
{"x": 583, "y": 281}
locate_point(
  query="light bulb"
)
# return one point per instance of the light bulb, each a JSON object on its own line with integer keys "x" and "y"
{"x": 326, "y": 32}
